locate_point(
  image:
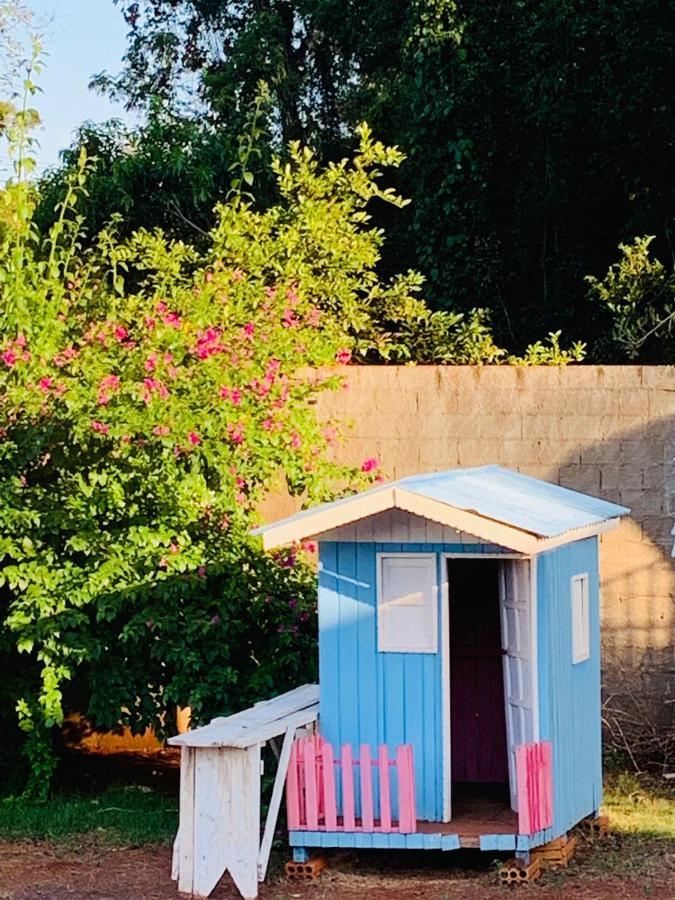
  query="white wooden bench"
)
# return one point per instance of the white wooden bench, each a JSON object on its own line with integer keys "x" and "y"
{"x": 220, "y": 769}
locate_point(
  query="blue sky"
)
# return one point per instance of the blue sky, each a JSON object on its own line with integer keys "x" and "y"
{"x": 82, "y": 37}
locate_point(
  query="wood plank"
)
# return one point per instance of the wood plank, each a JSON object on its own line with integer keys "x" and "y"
{"x": 186, "y": 818}
{"x": 330, "y": 803}
{"x": 367, "y": 816}
{"x": 247, "y": 734}
{"x": 241, "y": 825}
{"x": 240, "y": 725}
{"x": 293, "y": 808}
{"x": 308, "y": 757}
{"x": 385, "y": 789}
{"x": 404, "y": 805}
{"x": 348, "y": 819}
{"x": 275, "y": 803}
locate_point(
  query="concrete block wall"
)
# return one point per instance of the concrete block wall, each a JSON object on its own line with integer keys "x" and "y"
{"x": 608, "y": 431}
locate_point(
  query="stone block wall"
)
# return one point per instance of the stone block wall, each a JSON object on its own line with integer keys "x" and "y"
{"x": 608, "y": 431}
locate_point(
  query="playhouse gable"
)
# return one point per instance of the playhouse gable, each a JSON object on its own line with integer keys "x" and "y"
{"x": 490, "y": 504}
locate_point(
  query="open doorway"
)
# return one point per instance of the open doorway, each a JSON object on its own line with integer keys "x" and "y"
{"x": 478, "y": 736}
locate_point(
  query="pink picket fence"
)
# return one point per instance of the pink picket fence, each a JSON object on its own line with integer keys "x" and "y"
{"x": 314, "y": 773}
{"x": 535, "y": 787}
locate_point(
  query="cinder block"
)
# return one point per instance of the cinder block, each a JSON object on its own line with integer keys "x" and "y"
{"x": 581, "y": 478}
{"x": 661, "y": 403}
{"x": 621, "y": 377}
{"x": 659, "y": 377}
{"x": 634, "y": 402}
{"x": 500, "y": 427}
{"x": 601, "y": 453}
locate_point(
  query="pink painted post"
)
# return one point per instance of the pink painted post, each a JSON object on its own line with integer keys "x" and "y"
{"x": 385, "y": 790}
{"x": 524, "y": 822}
{"x": 348, "y": 820}
{"x": 367, "y": 817}
{"x": 329, "y": 787}
{"x": 411, "y": 776}
{"x": 547, "y": 805}
{"x": 311, "y": 797}
{"x": 292, "y": 792}
{"x": 406, "y": 822}
{"x": 534, "y": 787}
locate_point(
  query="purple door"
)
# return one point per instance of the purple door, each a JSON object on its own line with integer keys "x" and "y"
{"x": 478, "y": 727}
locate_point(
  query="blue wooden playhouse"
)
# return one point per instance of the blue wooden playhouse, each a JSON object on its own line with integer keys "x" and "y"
{"x": 459, "y": 647}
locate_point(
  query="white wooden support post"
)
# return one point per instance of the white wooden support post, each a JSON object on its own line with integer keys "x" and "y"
{"x": 219, "y": 828}
{"x": 275, "y": 803}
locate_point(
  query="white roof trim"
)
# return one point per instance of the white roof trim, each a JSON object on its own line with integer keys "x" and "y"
{"x": 314, "y": 521}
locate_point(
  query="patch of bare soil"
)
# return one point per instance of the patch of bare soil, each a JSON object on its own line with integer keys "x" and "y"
{"x": 39, "y": 871}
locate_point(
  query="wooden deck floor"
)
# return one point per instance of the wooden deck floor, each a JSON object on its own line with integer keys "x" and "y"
{"x": 473, "y": 817}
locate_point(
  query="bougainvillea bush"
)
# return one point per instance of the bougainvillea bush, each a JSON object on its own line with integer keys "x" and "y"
{"x": 149, "y": 397}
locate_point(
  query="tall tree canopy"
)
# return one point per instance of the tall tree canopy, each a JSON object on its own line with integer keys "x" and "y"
{"x": 538, "y": 135}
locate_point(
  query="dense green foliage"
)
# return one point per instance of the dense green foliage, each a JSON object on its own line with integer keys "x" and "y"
{"x": 638, "y": 295}
{"x": 538, "y": 135}
{"x": 151, "y": 393}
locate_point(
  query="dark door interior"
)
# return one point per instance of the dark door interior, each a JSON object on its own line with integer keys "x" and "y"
{"x": 478, "y": 727}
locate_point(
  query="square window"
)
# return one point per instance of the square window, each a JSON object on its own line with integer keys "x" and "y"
{"x": 406, "y": 603}
{"x": 581, "y": 629}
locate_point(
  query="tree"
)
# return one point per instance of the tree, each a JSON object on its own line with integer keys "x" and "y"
{"x": 637, "y": 300}
{"x": 537, "y": 135}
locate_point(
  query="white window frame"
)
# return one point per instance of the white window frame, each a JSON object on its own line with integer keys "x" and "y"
{"x": 581, "y": 617}
{"x": 382, "y": 645}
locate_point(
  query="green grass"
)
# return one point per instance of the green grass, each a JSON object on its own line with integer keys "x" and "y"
{"x": 640, "y": 806}
{"x": 642, "y": 830}
{"x": 120, "y": 815}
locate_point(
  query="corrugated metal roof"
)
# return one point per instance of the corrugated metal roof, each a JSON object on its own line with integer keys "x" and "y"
{"x": 489, "y": 494}
{"x": 520, "y": 501}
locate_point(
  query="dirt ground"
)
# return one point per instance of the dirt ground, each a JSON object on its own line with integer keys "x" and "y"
{"x": 39, "y": 871}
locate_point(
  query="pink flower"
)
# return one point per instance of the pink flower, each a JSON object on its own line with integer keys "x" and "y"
{"x": 309, "y": 546}
{"x": 110, "y": 382}
{"x": 295, "y": 440}
{"x": 20, "y": 340}
{"x": 368, "y": 465}
{"x": 343, "y": 356}
{"x": 161, "y": 430}
{"x": 215, "y": 620}
{"x": 194, "y": 438}
{"x": 236, "y": 433}
{"x": 267, "y": 424}
{"x": 174, "y": 548}
{"x": 292, "y": 296}
{"x": 292, "y": 604}
{"x": 45, "y": 384}
{"x": 237, "y": 275}
{"x": 172, "y": 319}
{"x": 100, "y": 427}
{"x": 121, "y": 334}
{"x": 313, "y": 317}
{"x": 161, "y": 307}
{"x": 330, "y": 434}
{"x": 9, "y": 358}
{"x": 150, "y": 322}
{"x": 271, "y": 292}
{"x": 150, "y": 363}
{"x": 289, "y": 319}
{"x": 201, "y": 571}
{"x": 249, "y": 328}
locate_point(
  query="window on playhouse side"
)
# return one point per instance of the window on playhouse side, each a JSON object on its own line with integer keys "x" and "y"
{"x": 581, "y": 628}
{"x": 406, "y": 603}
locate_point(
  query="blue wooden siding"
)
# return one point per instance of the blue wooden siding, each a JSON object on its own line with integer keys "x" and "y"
{"x": 379, "y": 698}
{"x": 569, "y": 694}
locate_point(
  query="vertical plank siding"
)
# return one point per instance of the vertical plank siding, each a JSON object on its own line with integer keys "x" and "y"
{"x": 569, "y": 693}
{"x": 381, "y": 698}
{"x": 311, "y": 789}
